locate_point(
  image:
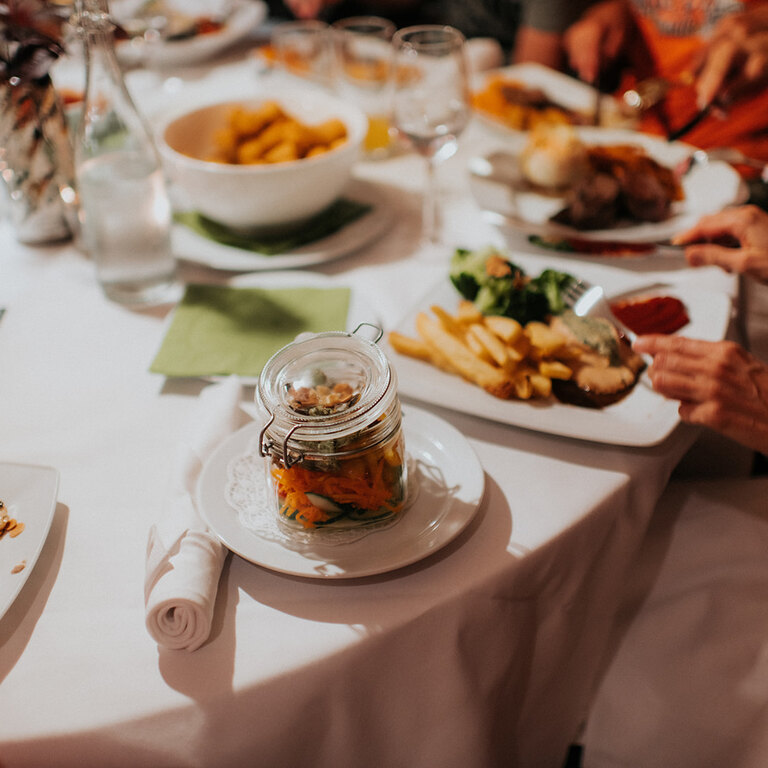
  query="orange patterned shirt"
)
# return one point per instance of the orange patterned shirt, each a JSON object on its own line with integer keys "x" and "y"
{"x": 674, "y": 31}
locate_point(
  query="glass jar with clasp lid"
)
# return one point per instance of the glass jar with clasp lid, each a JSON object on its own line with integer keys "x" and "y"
{"x": 333, "y": 442}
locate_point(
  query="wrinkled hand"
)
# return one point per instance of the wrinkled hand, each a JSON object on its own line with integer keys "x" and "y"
{"x": 597, "y": 38}
{"x": 735, "y": 61}
{"x": 747, "y": 225}
{"x": 719, "y": 385}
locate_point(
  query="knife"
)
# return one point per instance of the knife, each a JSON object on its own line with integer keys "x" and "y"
{"x": 677, "y": 134}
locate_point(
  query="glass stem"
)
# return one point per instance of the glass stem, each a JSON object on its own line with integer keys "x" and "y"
{"x": 430, "y": 215}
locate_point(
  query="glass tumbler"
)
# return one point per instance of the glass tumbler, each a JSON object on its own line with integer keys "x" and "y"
{"x": 363, "y": 60}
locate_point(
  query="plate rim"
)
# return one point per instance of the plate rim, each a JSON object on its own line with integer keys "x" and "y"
{"x": 216, "y": 464}
{"x": 50, "y": 501}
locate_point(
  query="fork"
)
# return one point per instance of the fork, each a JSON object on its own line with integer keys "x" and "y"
{"x": 585, "y": 299}
{"x": 726, "y": 155}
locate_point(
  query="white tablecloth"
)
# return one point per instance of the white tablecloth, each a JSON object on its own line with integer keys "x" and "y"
{"x": 483, "y": 654}
{"x": 687, "y": 685}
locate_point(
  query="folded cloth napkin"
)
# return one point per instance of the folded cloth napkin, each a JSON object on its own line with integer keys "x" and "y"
{"x": 182, "y": 577}
{"x": 329, "y": 221}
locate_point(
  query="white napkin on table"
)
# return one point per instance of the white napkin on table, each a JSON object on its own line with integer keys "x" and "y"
{"x": 182, "y": 577}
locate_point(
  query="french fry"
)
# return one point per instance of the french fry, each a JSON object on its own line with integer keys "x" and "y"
{"x": 406, "y": 345}
{"x": 506, "y": 328}
{"x": 543, "y": 338}
{"x": 542, "y": 385}
{"x": 522, "y": 384}
{"x": 420, "y": 350}
{"x": 493, "y": 344}
{"x": 468, "y": 313}
{"x": 448, "y": 321}
{"x": 477, "y": 347}
{"x": 520, "y": 349}
{"x": 554, "y": 369}
{"x": 491, "y": 379}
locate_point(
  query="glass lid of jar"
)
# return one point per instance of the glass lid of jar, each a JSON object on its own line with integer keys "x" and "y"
{"x": 328, "y": 385}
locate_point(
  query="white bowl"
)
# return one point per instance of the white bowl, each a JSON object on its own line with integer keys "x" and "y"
{"x": 266, "y": 196}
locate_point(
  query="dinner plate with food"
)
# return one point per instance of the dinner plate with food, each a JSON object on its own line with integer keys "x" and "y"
{"x": 167, "y": 33}
{"x": 520, "y": 97}
{"x": 445, "y": 488}
{"x": 27, "y": 505}
{"x": 498, "y": 341}
{"x": 609, "y": 185}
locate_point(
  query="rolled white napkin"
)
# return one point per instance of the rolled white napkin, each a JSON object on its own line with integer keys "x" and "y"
{"x": 182, "y": 577}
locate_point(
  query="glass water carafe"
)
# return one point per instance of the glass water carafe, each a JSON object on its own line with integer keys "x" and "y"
{"x": 125, "y": 212}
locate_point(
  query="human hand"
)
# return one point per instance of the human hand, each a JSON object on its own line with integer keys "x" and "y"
{"x": 597, "y": 38}
{"x": 735, "y": 60}
{"x": 719, "y": 385}
{"x": 746, "y": 225}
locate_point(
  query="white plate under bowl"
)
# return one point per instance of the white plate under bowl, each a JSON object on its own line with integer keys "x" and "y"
{"x": 643, "y": 418}
{"x": 450, "y": 479}
{"x": 29, "y": 491}
{"x": 190, "y": 246}
{"x": 708, "y": 188}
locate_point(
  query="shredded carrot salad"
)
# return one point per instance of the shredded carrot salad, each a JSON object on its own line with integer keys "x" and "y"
{"x": 368, "y": 483}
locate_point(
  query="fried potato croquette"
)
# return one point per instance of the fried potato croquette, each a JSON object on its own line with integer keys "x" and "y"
{"x": 268, "y": 134}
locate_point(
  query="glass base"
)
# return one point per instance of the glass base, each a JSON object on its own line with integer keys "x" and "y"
{"x": 144, "y": 292}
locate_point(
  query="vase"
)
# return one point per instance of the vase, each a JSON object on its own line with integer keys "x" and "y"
{"x": 36, "y": 162}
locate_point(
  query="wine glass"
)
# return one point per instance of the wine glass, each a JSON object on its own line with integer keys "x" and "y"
{"x": 430, "y": 102}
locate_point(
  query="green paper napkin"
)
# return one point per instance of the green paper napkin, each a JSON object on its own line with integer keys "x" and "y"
{"x": 332, "y": 219}
{"x": 219, "y": 330}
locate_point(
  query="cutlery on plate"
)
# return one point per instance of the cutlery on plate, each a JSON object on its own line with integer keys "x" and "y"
{"x": 585, "y": 299}
{"x": 725, "y": 155}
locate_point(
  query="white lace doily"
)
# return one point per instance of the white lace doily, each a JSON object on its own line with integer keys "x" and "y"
{"x": 247, "y": 492}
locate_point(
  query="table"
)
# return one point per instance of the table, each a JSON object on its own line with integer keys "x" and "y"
{"x": 484, "y": 654}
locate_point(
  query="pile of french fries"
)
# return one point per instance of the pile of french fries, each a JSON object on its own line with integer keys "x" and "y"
{"x": 500, "y": 355}
{"x": 268, "y": 134}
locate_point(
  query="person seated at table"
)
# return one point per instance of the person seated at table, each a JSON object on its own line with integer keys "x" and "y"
{"x": 720, "y": 385}
{"x": 531, "y": 28}
{"x": 714, "y": 55}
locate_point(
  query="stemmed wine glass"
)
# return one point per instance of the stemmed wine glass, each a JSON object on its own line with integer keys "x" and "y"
{"x": 430, "y": 101}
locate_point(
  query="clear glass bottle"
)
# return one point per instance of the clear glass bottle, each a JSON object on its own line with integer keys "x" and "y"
{"x": 125, "y": 211}
{"x": 333, "y": 441}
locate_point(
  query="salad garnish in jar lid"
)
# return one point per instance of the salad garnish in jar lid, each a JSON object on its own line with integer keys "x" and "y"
{"x": 333, "y": 442}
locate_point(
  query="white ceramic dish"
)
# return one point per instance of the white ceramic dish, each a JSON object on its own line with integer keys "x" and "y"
{"x": 643, "y": 418}
{"x": 29, "y": 492}
{"x": 267, "y": 195}
{"x": 244, "y": 19}
{"x": 447, "y": 499}
{"x": 708, "y": 188}
{"x": 190, "y": 246}
{"x": 560, "y": 88}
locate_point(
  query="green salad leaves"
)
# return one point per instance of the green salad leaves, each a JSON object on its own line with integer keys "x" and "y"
{"x": 497, "y": 286}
